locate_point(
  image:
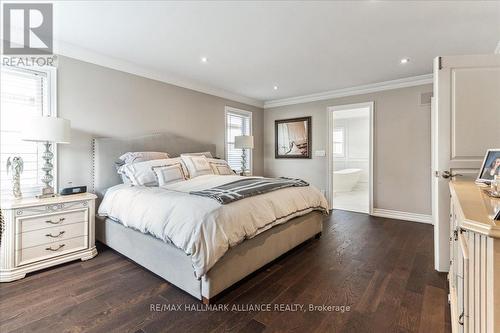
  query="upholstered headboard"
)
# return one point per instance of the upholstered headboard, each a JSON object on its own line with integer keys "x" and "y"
{"x": 107, "y": 150}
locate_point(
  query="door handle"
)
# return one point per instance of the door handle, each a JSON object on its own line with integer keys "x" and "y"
{"x": 447, "y": 174}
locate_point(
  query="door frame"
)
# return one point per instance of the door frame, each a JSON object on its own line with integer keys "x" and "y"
{"x": 329, "y": 154}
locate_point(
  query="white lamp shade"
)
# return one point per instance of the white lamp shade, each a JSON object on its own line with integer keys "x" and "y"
{"x": 243, "y": 142}
{"x": 51, "y": 129}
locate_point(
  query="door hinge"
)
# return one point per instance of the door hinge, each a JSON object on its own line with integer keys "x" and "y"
{"x": 440, "y": 63}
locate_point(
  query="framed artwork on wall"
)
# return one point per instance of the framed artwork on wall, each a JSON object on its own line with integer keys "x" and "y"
{"x": 292, "y": 138}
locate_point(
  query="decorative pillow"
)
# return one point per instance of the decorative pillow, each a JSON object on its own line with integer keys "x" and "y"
{"x": 197, "y": 165}
{"x": 168, "y": 174}
{"x": 123, "y": 176}
{"x": 220, "y": 167}
{"x": 141, "y": 156}
{"x": 207, "y": 154}
{"x": 142, "y": 174}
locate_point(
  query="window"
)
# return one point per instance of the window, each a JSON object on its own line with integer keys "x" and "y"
{"x": 339, "y": 142}
{"x": 238, "y": 122}
{"x": 24, "y": 93}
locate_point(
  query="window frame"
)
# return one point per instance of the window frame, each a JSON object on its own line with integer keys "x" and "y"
{"x": 344, "y": 146}
{"x": 243, "y": 113}
{"x": 51, "y": 111}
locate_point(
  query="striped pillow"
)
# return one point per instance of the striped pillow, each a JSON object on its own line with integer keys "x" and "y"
{"x": 220, "y": 167}
{"x": 197, "y": 165}
{"x": 168, "y": 174}
{"x": 142, "y": 174}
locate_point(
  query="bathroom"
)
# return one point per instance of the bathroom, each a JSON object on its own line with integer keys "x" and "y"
{"x": 351, "y": 158}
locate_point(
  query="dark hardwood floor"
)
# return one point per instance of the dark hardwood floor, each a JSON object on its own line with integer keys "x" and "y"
{"x": 381, "y": 268}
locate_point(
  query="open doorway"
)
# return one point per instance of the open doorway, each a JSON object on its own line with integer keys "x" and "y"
{"x": 350, "y": 157}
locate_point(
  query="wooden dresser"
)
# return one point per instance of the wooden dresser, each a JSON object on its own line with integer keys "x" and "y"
{"x": 475, "y": 260}
{"x": 39, "y": 233}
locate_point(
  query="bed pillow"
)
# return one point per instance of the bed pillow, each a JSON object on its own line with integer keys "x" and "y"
{"x": 197, "y": 165}
{"x": 123, "y": 176}
{"x": 220, "y": 167}
{"x": 207, "y": 154}
{"x": 169, "y": 174}
{"x": 142, "y": 174}
{"x": 141, "y": 156}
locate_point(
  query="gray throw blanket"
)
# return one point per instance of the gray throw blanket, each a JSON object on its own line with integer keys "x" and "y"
{"x": 245, "y": 188}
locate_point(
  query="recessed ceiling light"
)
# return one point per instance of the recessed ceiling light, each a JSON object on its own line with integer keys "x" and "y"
{"x": 204, "y": 59}
{"x": 275, "y": 87}
{"x": 405, "y": 60}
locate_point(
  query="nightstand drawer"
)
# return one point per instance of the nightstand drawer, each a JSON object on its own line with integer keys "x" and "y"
{"x": 51, "y": 235}
{"x": 51, "y": 220}
{"x": 46, "y": 251}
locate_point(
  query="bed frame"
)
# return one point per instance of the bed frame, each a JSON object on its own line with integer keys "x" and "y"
{"x": 168, "y": 261}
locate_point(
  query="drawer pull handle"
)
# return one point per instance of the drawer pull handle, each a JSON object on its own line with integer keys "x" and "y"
{"x": 461, "y": 319}
{"x": 61, "y": 220}
{"x": 51, "y": 249}
{"x": 55, "y": 236}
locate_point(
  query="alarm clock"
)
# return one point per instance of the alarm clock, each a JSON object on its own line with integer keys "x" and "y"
{"x": 73, "y": 190}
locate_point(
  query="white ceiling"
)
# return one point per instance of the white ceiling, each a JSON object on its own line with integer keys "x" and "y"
{"x": 303, "y": 47}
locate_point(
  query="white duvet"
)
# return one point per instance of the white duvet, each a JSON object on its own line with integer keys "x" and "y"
{"x": 200, "y": 226}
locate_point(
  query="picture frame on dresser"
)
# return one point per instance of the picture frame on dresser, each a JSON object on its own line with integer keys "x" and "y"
{"x": 490, "y": 166}
{"x": 38, "y": 233}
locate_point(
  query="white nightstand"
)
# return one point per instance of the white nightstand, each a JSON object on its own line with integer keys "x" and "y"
{"x": 39, "y": 233}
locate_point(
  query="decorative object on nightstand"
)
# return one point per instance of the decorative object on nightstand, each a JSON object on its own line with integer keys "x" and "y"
{"x": 243, "y": 142}
{"x": 15, "y": 166}
{"x": 40, "y": 233}
{"x": 48, "y": 130}
{"x": 490, "y": 167}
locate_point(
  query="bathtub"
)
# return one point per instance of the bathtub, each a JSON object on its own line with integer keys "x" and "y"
{"x": 344, "y": 180}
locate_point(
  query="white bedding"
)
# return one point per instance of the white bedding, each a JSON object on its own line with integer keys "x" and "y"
{"x": 200, "y": 226}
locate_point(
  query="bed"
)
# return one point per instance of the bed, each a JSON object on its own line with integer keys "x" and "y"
{"x": 169, "y": 258}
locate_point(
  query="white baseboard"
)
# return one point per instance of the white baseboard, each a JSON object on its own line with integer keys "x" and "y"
{"x": 394, "y": 214}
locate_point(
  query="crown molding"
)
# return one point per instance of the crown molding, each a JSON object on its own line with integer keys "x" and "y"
{"x": 76, "y": 52}
{"x": 358, "y": 90}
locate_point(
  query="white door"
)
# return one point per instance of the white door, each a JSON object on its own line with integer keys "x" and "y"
{"x": 465, "y": 123}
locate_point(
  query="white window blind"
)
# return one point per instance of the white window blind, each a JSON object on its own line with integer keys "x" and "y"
{"x": 238, "y": 122}
{"x": 339, "y": 142}
{"x": 24, "y": 93}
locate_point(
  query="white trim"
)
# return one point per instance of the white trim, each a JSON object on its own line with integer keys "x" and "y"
{"x": 398, "y": 215}
{"x": 72, "y": 51}
{"x": 245, "y": 113}
{"x": 358, "y": 90}
{"x": 329, "y": 151}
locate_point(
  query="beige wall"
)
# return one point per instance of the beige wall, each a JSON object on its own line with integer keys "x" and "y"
{"x": 402, "y": 147}
{"x": 104, "y": 102}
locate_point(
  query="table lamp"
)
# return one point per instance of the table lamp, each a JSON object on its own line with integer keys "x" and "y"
{"x": 243, "y": 142}
{"x": 48, "y": 130}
